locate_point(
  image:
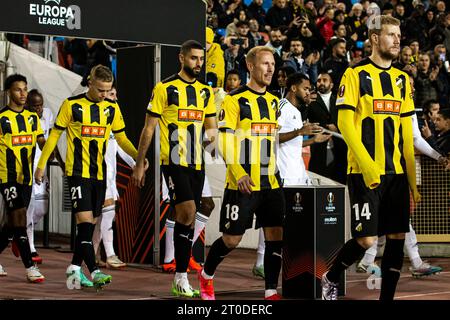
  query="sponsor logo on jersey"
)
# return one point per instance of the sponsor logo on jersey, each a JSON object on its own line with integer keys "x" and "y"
{"x": 263, "y": 129}
{"x": 93, "y": 132}
{"x": 386, "y": 107}
{"x": 190, "y": 115}
{"x": 24, "y": 140}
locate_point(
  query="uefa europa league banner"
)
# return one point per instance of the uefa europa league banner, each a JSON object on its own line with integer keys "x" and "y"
{"x": 145, "y": 21}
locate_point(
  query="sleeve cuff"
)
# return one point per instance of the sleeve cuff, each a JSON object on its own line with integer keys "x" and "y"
{"x": 153, "y": 114}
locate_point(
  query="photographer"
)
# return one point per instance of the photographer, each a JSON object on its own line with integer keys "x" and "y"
{"x": 235, "y": 55}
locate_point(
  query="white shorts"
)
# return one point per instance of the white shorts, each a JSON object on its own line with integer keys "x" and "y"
{"x": 206, "y": 191}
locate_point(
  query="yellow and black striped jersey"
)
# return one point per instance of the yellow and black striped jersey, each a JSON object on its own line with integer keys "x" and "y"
{"x": 379, "y": 97}
{"x": 251, "y": 119}
{"x": 182, "y": 107}
{"x": 88, "y": 125}
{"x": 18, "y": 135}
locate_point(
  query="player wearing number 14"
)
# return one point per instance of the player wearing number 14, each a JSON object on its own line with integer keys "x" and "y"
{"x": 375, "y": 109}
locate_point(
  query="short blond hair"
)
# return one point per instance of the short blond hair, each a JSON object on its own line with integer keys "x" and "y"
{"x": 101, "y": 73}
{"x": 377, "y": 22}
{"x": 253, "y": 52}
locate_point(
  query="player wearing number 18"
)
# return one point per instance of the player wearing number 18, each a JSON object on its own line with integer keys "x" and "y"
{"x": 375, "y": 109}
{"x": 20, "y": 131}
{"x": 247, "y": 132}
{"x": 89, "y": 119}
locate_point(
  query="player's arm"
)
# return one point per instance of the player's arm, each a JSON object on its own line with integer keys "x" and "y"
{"x": 145, "y": 140}
{"x": 317, "y": 138}
{"x": 308, "y": 129}
{"x": 62, "y": 121}
{"x": 346, "y": 105}
{"x": 210, "y": 124}
{"x": 228, "y": 118}
{"x": 408, "y": 153}
{"x": 126, "y": 157}
{"x": 408, "y": 141}
{"x": 47, "y": 150}
{"x": 211, "y": 132}
{"x": 420, "y": 143}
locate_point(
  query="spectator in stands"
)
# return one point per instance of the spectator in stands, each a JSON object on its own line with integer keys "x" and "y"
{"x": 356, "y": 22}
{"x": 326, "y": 23}
{"x": 415, "y": 26}
{"x": 279, "y": 14}
{"x": 215, "y": 62}
{"x": 339, "y": 16}
{"x": 337, "y": 63}
{"x": 425, "y": 83}
{"x": 232, "y": 81}
{"x": 306, "y": 30}
{"x": 440, "y": 33}
{"x": 282, "y": 75}
{"x": 235, "y": 56}
{"x": 440, "y": 60}
{"x": 440, "y": 7}
{"x": 77, "y": 48}
{"x": 415, "y": 47}
{"x": 399, "y": 13}
{"x": 232, "y": 10}
{"x": 294, "y": 59}
{"x": 232, "y": 27}
{"x": 440, "y": 141}
{"x": 329, "y": 158}
{"x": 430, "y": 109}
{"x": 255, "y": 36}
{"x": 405, "y": 61}
{"x": 256, "y": 11}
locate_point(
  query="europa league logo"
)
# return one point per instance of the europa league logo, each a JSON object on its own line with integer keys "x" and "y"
{"x": 330, "y": 198}
{"x": 297, "y": 198}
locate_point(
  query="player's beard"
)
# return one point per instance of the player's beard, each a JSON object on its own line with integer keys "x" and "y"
{"x": 191, "y": 72}
{"x": 387, "y": 55}
{"x": 300, "y": 100}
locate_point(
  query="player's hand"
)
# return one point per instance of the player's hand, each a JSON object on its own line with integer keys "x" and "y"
{"x": 426, "y": 131}
{"x": 38, "y": 175}
{"x": 310, "y": 128}
{"x": 321, "y": 137}
{"x": 245, "y": 184}
{"x": 416, "y": 195}
{"x": 138, "y": 176}
{"x": 332, "y": 127}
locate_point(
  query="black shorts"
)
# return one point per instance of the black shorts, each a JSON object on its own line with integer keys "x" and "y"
{"x": 87, "y": 195}
{"x": 380, "y": 211}
{"x": 16, "y": 195}
{"x": 184, "y": 184}
{"x": 236, "y": 214}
